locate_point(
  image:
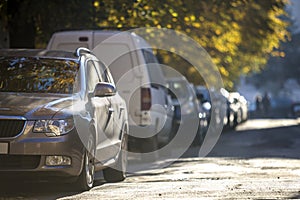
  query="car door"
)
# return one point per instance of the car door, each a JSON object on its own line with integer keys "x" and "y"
{"x": 119, "y": 105}
{"x": 115, "y": 111}
{"x": 99, "y": 110}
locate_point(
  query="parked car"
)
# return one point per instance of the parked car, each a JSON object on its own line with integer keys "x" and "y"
{"x": 242, "y": 104}
{"x": 231, "y": 110}
{"x": 204, "y": 113}
{"x": 139, "y": 80}
{"x": 61, "y": 118}
{"x": 188, "y": 113}
{"x": 244, "y": 107}
{"x": 295, "y": 109}
{"x": 203, "y": 96}
{"x": 237, "y": 110}
{"x": 214, "y": 105}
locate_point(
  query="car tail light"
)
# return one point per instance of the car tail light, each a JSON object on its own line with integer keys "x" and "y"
{"x": 145, "y": 99}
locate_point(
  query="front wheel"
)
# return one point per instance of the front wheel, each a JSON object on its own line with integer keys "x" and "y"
{"x": 86, "y": 179}
{"x": 117, "y": 173}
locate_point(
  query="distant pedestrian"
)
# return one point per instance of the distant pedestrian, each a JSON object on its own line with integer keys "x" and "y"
{"x": 258, "y": 104}
{"x": 266, "y": 101}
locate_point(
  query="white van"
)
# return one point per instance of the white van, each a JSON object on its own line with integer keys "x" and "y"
{"x": 138, "y": 77}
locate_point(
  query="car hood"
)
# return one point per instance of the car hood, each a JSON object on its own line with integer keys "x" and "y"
{"x": 33, "y": 106}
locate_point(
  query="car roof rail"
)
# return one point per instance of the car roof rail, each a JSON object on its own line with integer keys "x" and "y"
{"x": 111, "y": 28}
{"x": 81, "y": 50}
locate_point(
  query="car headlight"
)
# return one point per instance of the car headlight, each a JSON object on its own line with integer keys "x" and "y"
{"x": 206, "y": 106}
{"x": 53, "y": 127}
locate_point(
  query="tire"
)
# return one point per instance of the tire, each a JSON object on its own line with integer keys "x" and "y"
{"x": 86, "y": 178}
{"x": 149, "y": 144}
{"x": 237, "y": 119}
{"x": 198, "y": 137}
{"x": 117, "y": 173}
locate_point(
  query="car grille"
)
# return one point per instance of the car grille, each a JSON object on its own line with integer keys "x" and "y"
{"x": 11, "y": 127}
{"x": 11, "y": 162}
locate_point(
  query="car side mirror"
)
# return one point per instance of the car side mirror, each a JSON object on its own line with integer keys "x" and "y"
{"x": 103, "y": 89}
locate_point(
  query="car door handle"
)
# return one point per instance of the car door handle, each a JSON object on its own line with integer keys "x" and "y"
{"x": 120, "y": 113}
{"x": 122, "y": 109}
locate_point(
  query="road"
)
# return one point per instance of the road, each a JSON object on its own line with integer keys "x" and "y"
{"x": 259, "y": 160}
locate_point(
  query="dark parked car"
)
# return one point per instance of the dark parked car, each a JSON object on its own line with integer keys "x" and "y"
{"x": 187, "y": 111}
{"x": 214, "y": 104}
{"x": 61, "y": 118}
{"x": 203, "y": 96}
{"x": 295, "y": 109}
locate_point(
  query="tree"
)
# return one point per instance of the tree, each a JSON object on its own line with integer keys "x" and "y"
{"x": 32, "y": 22}
{"x": 239, "y": 35}
{"x": 4, "y": 36}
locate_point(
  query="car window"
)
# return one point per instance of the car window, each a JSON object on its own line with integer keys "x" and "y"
{"x": 109, "y": 76}
{"x": 92, "y": 76}
{"x": 154, "y": 69}
{"x": 104, "y": 72}
{"x": 37, "y": 75}
{"x": 101, "y": 70}
{"x": 149, "y": 57}
{"x": 179, "y": 89}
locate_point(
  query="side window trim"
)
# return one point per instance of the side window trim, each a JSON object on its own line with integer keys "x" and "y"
{"x": 92, "y": 75}
{"x": 106, "y": 73}
{"x": 93, "y": 64}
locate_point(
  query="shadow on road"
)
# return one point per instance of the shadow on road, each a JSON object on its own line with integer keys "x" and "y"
{"x": 18, "y": 189}
{"x": 258, "y": 138}
{"x": 28, "y": 190}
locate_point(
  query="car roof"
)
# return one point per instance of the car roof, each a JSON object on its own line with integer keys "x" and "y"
{"x": 109, "y": 35}
{"x": 38, "y": 53}
{"x": 176, "y": 79}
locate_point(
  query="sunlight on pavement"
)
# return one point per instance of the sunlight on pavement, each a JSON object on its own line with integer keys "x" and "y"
{"x": 267, "y": 123}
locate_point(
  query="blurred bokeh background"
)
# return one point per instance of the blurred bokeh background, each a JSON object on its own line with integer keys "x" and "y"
{"x": 254, "y": 44}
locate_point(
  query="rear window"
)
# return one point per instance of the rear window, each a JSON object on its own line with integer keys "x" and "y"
{"x": 154, "y": 69}
{"x": 179, "y": 89}
{"x": 37, "y": 75}
{"x": 204, "y": 92}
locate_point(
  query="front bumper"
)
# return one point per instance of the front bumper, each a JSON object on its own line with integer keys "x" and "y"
{"x": 27, "y": 153}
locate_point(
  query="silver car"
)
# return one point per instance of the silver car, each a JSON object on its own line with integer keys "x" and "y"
{"x": 61, "y": 118}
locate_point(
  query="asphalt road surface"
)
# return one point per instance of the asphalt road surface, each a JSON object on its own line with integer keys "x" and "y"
{"x": 259, "y": 160}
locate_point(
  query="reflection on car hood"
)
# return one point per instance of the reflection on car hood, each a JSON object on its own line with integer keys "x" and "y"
{"x": 33, "y": 106}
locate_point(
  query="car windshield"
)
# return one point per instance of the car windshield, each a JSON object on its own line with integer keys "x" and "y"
{"x": 204, "y": 92}
{"x": 37, "y": 75}
{"x": 179, "y": 89}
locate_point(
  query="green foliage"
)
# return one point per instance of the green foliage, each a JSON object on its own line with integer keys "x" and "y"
{"x": 239, "y": 35}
